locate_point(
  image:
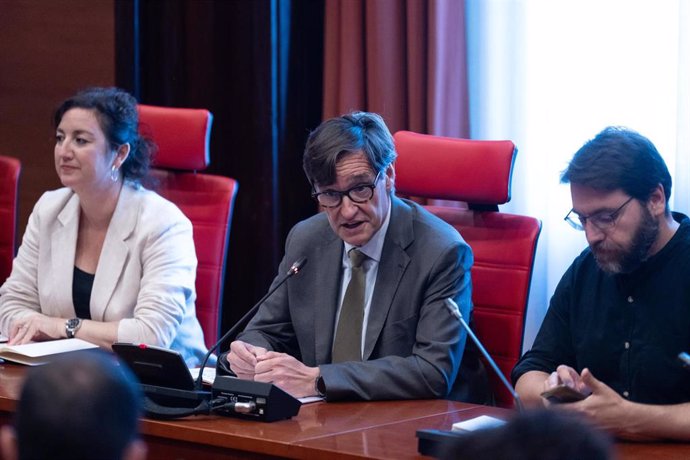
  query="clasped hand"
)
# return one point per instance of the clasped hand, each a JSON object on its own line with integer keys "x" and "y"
{"x": 250, "y": 362}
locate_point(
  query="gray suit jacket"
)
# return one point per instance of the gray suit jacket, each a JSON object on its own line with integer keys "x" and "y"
{"x": 413, "y": 345}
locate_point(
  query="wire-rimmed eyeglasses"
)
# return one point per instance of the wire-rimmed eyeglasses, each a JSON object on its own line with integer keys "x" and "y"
{"x": 602, "y": 220}
{"x": 357, "y": 194}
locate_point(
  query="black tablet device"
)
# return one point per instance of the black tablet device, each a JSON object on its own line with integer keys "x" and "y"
{"x": 166, "y": 382}
{"x": 156, "y": 366}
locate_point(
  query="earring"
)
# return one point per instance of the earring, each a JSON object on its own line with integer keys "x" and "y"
{"x": 114, "y": 173}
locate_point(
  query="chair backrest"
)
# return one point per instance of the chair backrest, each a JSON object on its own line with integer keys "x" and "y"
{"x": 183, "y": 137}
{"x": 9, "y": 194}
{"x": 478, "y": 173}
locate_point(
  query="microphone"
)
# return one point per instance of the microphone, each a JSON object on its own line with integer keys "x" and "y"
{"x": 434, "y": 442}
{"x": 234, "y": 330}
{"x": 170, "y": 392}
{"x": 455, "y": 311}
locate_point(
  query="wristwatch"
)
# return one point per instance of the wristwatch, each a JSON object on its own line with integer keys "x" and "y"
{"x": 72, "y": 326}
{"x": 320, "y": 387}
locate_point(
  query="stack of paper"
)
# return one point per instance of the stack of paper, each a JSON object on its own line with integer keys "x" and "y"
{"x": 34, "y": 354}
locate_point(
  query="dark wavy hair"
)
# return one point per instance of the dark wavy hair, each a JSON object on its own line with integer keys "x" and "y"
{"x": 116, "y": 112}
{"x": 349, "y": 133}
{"x": 620, "y": 158}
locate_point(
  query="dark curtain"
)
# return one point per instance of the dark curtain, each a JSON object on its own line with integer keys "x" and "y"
{"x": 405, "y": 59}
{"x": 257, "y": 66}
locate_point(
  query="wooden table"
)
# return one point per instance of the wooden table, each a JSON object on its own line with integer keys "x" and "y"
{"x": 384, "y": 429}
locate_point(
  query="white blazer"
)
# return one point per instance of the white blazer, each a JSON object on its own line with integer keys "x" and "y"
{"x": 144, "y": 278}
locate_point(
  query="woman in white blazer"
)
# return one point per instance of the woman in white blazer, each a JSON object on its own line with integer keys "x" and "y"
{"x": 103, "y": 258}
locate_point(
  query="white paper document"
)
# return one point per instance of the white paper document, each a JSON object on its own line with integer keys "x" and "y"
{"x": 33, "y": 354}
{"x": 209, "y": 374}
{"x": 478, "y": 423}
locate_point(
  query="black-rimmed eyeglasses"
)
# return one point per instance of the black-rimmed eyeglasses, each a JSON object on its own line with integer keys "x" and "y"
{"x": 601, "y": 220}
{"x": 357, "y": 194}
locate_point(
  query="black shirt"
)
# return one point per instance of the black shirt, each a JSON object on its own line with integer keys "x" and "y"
{"x": 82, "y": 284}
{"x": 627, "y": 329}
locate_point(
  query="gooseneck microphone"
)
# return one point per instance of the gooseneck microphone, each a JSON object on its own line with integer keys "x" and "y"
{"x": 455, "y": 311}
{"x": 434, "y": 443}
{"x": 234, "y": 330}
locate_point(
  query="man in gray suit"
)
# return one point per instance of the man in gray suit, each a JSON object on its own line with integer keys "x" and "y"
{"x": 366, "y": 318}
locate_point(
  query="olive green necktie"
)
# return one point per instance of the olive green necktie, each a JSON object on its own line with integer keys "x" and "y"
{"x": 348, "y": 337}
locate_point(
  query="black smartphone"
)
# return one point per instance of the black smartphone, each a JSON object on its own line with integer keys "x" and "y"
{"x": 562, "y": 394}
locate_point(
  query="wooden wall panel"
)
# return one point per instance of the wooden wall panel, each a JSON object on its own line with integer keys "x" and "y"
{"x": 48, "y": 50}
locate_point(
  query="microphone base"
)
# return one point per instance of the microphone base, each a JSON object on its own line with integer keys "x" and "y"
{"x": 258, "y": 401}
{"x": 173, "y": 397}
{"x": 434, "y": 443}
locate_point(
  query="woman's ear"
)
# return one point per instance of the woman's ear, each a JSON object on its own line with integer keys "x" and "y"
{"x": 121, "y": 155}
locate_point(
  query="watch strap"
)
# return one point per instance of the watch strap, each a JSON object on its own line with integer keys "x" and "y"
{"x": 320, "y": 386}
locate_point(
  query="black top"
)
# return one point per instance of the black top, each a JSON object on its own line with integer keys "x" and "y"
{"x": 627, "y": 329}
{"x": 82, "y": 284}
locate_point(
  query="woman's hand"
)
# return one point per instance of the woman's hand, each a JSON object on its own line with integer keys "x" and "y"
{"x": 36, "y": 327}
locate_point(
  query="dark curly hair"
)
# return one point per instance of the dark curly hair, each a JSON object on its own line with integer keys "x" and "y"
{"x": 116, "y": 112}
{"x": 620, "y": 158}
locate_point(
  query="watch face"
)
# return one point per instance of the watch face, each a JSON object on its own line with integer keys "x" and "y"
{"x": 72, "y": 323}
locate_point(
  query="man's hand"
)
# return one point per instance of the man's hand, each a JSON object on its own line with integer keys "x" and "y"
{"x": 243, "y": 358}
{"x": 287, "y": 373}
{"x": 566, "y": 375}
{"x": 607, "y": 409}
{"x": 36, "y": 327}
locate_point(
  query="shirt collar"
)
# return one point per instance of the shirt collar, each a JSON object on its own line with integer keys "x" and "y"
{"x": 374, "y": 247}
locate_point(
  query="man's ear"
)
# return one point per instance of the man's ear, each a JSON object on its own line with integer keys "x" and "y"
{"x": 657, "y": 201}
{"x": 390, "y": 177}
{"x": 8, "y": 443}
{"x": 136, "y": 450}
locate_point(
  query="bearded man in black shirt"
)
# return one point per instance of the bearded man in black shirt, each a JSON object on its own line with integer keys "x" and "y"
{"x": 621, "y": 313}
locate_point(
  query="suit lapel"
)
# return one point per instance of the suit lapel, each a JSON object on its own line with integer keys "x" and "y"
{"x": 115, "y": 251}
{"x": 394, "y": 261}
{"x": 63, "y": 244}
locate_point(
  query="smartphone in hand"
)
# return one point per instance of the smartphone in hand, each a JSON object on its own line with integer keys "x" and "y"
{"x": 562, "y": 394}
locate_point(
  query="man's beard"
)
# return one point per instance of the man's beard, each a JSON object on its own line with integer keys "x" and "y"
{"x": 613, "y": 259}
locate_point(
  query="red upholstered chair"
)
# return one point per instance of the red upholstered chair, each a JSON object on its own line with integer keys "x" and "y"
{"x": 478, "y": 173}
{"x": 183, "y": 136}
{"x": 9, "y": 181}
